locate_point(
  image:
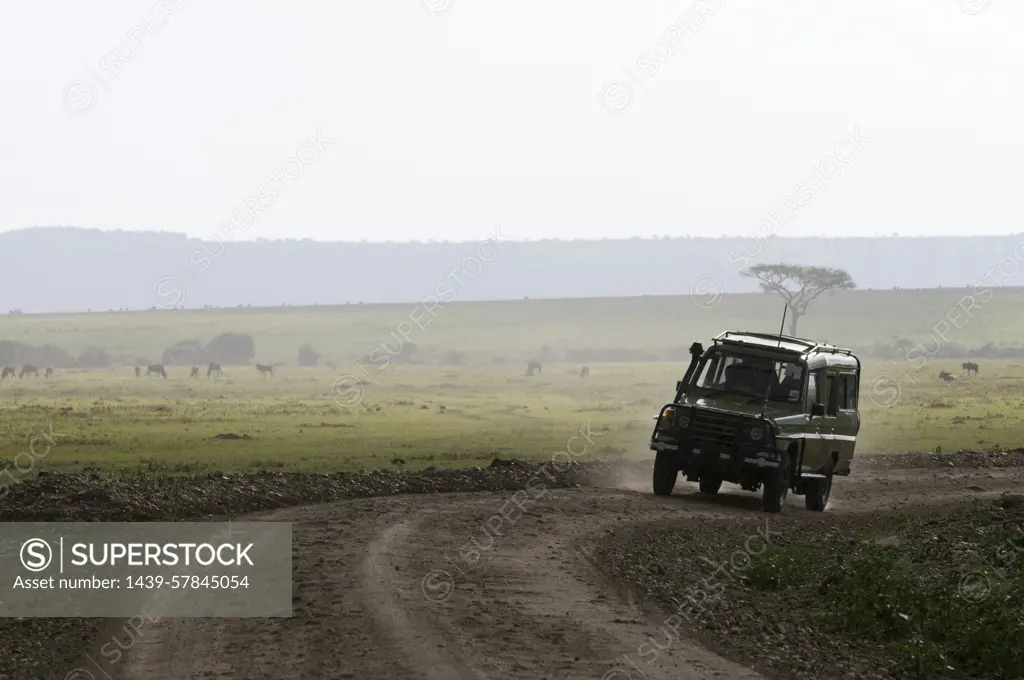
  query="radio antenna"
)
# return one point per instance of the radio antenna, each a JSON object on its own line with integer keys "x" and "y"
{"x": 783, "y": 326}
{"x": 767, "y": 392}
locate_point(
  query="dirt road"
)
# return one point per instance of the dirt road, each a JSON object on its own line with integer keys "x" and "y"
{"x": 487, "y": 585}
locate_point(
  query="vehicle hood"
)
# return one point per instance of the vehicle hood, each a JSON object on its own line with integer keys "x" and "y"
{"x": 738, "y": 405}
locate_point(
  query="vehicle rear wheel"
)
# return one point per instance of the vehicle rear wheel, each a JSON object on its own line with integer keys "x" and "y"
{"x": 665, "y": 473}
{"x": 776, "y": 486}
{"x": 819, "y": 491}
{"x": 710, "y": 484}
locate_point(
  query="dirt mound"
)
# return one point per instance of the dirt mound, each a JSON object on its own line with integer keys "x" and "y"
{"x": 959, "y": 459}
{"x": 139, "y": 497}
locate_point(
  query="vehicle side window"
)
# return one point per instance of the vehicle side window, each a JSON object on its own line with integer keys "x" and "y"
{"x": 830, "y": 395}
{"x": 847, "y": 392}
{"x": 813, "y": 395}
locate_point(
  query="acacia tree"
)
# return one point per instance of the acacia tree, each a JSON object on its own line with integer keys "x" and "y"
{"x": 799, "y": 285}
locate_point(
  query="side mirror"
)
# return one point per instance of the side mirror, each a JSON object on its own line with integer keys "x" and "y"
{"x": 817, "y": 410}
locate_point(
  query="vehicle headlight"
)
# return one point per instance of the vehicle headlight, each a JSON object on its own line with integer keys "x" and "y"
{"x": 757, "y": 433}
{"x": 684, "y": 422}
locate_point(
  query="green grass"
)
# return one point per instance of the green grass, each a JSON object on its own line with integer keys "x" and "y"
{"x": 942, "y": 593}
{"x": 116, "y": 420}
{"x": 109, "y": 419}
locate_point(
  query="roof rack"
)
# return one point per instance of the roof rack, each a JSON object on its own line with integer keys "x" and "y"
{"x": 808, "y": 346}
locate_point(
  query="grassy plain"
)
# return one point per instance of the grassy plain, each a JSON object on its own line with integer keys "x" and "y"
{"x": 110, "y": 419}
{"x": 515, "y": 330}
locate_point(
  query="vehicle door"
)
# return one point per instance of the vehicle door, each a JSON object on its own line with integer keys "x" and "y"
{"x": 814, "y": 450}
{"x": 827, "y": 425}
{"x": 847, "y": 423}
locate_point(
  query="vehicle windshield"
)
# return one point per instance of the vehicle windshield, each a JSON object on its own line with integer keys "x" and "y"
{"x": 753, "y": 376}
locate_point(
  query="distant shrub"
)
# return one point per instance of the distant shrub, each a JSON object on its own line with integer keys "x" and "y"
{"x": 231, "y": 348}
{"x": 93, "y": 357}
{"x": 19, "y": 354}
{"x": 308, "y": 357}
{"x": 185, "y": 353}
{"x": 49, "y": 355}
{"x": 453, "y": 357}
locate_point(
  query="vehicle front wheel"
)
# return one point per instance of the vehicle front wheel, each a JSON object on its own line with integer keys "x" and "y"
{"x": 665, "y": 473}
{"x": 710, "y": 484}
{"x": 818, "y": 492}
{"x": 776, "y": 486}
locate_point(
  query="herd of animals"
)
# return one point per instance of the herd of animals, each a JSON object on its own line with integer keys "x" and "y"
{"x": 27, "y": 369}
{"x": 213, "y": 369}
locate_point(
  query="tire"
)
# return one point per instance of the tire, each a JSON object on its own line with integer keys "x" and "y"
{"x": 710, "y": 484}
{"x": 665, "y": 473}
{"x": 819, "y": 492}
{"x": 776, "y": 486}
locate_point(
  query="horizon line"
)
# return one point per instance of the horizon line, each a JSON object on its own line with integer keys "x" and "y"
{"x": 512, "y": 239}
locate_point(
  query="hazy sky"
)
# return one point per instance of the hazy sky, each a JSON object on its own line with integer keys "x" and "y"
{"x": 487, "y": 113}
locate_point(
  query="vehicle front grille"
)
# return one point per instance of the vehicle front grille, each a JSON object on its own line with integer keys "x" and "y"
{"x": 714, "y": 430}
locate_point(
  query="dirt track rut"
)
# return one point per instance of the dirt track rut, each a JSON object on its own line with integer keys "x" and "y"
{"x": 483, "y": 585}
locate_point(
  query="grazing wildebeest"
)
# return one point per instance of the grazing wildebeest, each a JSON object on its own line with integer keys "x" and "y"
{"x": 8, "y": 372}
{"x": 49, "y": 371}
{"x": 948, "y": 377}
{"x": 585, "y": 372}
{"x": 970, "y": 367}
{"x": 195, "y": 372}
{"x": 156, "y": 368}
{"x": 28, "y": 368}
{"x": 214, "y": 368}
{"x": 138, "y": 371}
{"x": 265, "y": 370}
{"x": 533, "y": 367}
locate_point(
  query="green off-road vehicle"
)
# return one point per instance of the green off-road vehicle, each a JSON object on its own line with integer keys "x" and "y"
{"x": 761, "y": 410}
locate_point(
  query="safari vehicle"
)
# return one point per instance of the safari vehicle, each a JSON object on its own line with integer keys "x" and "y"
{"x": 761, "y": 410}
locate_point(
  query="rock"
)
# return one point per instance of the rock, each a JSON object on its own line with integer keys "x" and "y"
{"x": 1011, "y": 500}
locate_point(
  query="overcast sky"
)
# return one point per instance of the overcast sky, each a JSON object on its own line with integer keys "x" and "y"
{"x": 487, "y": 113}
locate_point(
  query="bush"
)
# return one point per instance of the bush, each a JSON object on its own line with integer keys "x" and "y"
{"x": 231, "y": 348}
{"x": 94, "y": 357}
{"x": 911, "y": 594}
{"x": 185, "y": 353}
{"x": 19, "y": 354}
{"x": 453, "y": 357}
{"x": 307, "y": 357}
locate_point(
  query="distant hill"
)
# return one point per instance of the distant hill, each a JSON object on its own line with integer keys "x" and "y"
{"x": 57, "y": 269}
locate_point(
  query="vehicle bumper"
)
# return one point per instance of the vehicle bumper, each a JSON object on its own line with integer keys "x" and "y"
{"x": 690, "y": 458}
